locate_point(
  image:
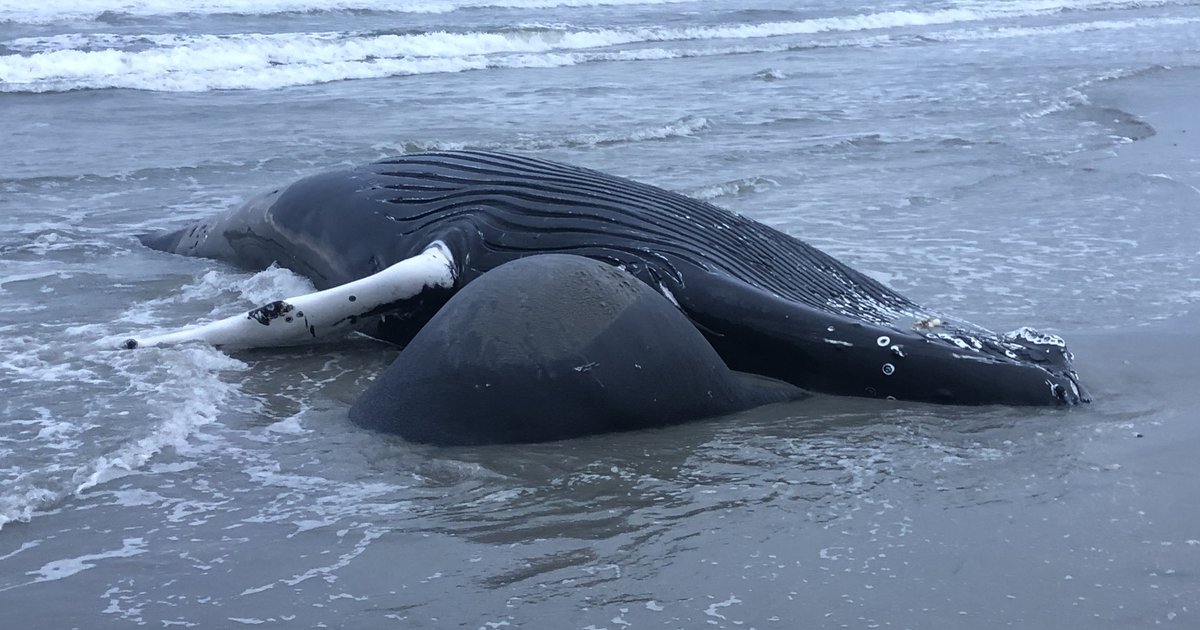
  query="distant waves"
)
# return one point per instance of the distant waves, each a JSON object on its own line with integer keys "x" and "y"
{"x": 361, "y": 47}
{"x": 101, "y": 10}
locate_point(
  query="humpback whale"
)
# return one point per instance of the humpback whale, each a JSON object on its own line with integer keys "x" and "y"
{"x": 388, "y": 244}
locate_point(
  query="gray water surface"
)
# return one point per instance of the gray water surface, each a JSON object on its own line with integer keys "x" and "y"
{"x": 1013, "y": 163}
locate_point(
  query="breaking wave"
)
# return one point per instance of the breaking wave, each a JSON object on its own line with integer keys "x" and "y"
{"x": 230, "y": 61}
{"x": 102, "y": 10}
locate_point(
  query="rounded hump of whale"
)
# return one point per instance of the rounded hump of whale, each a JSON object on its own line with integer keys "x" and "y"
{"x": 551, "y": 347}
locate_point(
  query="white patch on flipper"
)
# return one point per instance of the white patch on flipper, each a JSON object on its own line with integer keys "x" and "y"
{"x": 321, "y": 315}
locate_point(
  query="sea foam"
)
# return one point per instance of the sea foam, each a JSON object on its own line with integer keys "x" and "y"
{"x": 87, "y": 10}
{"x": 200, "y": 62}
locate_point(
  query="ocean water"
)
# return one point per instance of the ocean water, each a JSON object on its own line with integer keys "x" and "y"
{"x": 1014, "y": 162}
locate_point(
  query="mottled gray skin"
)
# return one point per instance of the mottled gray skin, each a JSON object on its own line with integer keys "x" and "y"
{"x": 587, "y": 348}
{"x": 769, "y": 303}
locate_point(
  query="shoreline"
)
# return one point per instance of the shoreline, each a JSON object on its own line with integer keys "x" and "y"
{"x": 1165, "y": 100}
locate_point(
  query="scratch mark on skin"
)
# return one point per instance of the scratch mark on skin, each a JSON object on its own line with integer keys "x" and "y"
{"x": 662, "y": 288}
{"x": 978, "y": 358}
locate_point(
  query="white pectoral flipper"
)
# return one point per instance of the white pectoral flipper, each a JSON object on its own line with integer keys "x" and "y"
{"x": 321, "y": 315}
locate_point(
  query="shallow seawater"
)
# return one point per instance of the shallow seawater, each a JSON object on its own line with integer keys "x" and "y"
{"x": 1013, "y": 163}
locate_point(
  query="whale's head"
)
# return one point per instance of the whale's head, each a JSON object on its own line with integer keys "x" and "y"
{"x": 214, "y": 236}
{"x": 1050, "y": 353}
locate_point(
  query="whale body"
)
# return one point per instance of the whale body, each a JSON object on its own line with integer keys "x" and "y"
{"x": 768, "y": 303}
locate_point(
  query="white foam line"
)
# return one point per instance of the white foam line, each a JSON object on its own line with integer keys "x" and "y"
{"x": 265, "y": 61}
{"x": 252, "y": 289}
{"x": 327, "y": 570}
{"x": 732, "y": 188}
{"x": 24, "y": 547}
{"x": 27, "y": 12}
{"x": 1058, "y": 29}
{"x": 183, "y": 387}
{"x": 199, "y": 406}
{"x": 711, "y": 611}
{"x": 682, "y": 128}
{"x": 65, "y": 568}
{"x": 19, "y": 508}
{"x": 26, "y": 364}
